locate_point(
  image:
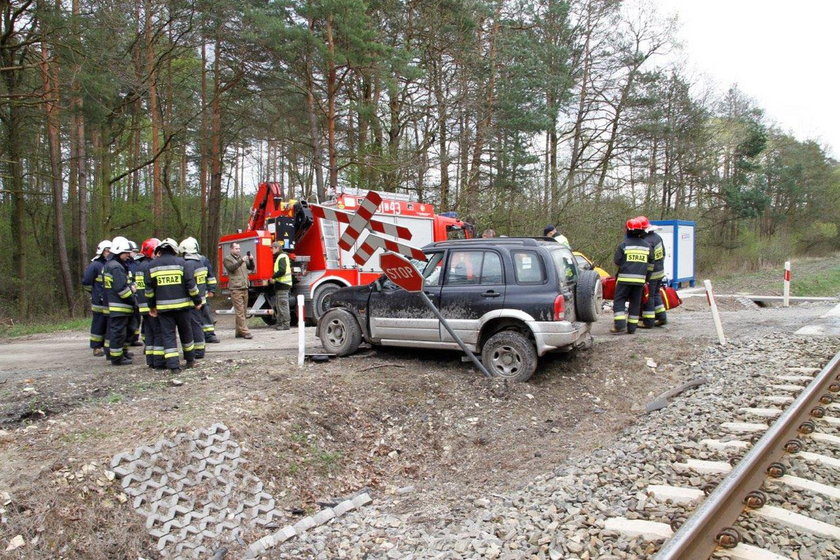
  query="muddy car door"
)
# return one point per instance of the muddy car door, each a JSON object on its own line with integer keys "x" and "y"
{"x": 473, "y": 286}
{"x": 403, "y": 316}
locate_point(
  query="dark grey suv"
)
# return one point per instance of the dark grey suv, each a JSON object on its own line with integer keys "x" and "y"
{"x": 511, "y": 299}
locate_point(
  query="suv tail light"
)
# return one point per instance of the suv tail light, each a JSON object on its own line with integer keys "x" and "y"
{"x": 559, "y": 307}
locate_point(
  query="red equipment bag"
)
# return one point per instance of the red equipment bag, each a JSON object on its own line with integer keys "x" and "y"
{"x": 608, "y": 286}
{"x": 670, "y": 297}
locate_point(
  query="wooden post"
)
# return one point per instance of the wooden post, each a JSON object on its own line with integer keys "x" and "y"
{"x": 715, "y": 314}
{"x": 787, "y": 284}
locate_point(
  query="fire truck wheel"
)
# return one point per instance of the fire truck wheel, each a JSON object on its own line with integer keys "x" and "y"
{"x": 339, "y": 332}
{"x": 319, "y": 299}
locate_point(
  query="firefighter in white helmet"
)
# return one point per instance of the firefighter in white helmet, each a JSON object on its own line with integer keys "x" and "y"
{"x": 196, "y": 270}
{"x": 120, "y": 293}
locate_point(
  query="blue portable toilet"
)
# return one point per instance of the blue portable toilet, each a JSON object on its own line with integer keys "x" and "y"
{"x": 678, "y": 238}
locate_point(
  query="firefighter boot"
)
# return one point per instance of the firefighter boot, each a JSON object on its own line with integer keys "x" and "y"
{"x": 121, "y": 361}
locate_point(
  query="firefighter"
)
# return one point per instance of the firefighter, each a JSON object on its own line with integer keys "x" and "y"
{"x": 151, "y": 325}
{"x": 633, "y": 255}
{"x": 653, "y": 312}
{"x": 134, "y": 322}
{"x": 98, "y": 306}
{"x": 171, "y": 294}
{"x": 120, "y": 293}
{"x": 119, "y": 240}
{"x": 196, "y": 270}
{"x": 281, "y": 280}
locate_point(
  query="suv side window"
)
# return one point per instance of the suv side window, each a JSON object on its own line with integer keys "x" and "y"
{"x": 470, "y": 268}
{"x": 566, "y": 265}
{"x": 528, "y": 267}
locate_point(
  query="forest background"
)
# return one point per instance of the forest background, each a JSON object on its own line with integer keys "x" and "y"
{"x": 153, "y": 117}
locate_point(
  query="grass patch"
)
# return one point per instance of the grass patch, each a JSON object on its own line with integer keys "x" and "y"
{"x": 823, "y": 284}
{"x": 114, "y": 398}
{"x": 23, "y": 329}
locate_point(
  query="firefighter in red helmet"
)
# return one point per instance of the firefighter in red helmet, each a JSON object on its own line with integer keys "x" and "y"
{"x": 633, "y": 256}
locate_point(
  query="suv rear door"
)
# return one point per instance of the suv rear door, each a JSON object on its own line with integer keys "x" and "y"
{"x": 473, "y": 285}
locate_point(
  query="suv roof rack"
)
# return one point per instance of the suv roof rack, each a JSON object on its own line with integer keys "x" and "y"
{"x": 523, "y": 241}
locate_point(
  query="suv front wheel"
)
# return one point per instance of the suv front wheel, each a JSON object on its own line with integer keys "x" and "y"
{"x": 511, "y": 355}
{"x": 339, "y": 332}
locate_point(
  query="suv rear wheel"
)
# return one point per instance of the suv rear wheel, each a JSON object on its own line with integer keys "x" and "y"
{"x": 339, "y": 332}
{"x": 511, "y": 355}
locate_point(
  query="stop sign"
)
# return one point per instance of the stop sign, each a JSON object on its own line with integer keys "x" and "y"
{"x": 401, "y": 272}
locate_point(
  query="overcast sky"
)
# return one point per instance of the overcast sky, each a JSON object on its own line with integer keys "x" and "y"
{"x": 782, "y": 54}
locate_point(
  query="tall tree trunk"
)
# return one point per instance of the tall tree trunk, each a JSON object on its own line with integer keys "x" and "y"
{"x": 152, "y": 76}
{"x": 214, "y": 199}
{"x": 314, "y": 133}
{"x": 442, "y": 130}
{"x": 49, "y": 75}
{"x": 485, "y": 114}
{"x": 203, "y": 153}
{"x": 332, "y": 93}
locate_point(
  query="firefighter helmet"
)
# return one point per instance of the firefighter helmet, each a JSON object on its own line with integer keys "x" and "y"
{"x": 634, "y": 224}
{"x": 148, "y": 247}
{"x": 644, "y": 222}
{"x": 168, "y": 243}
{"x": 133, "y": 246}
{"x": 120, "y": 247}
{"x": 104, "y": 244}
{"x": 188, "y": 246}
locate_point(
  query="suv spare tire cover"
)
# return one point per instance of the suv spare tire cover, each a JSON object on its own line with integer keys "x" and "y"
{"x": 589, "y": 296}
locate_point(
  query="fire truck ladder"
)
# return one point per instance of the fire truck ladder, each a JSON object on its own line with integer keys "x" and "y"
{"x": 329, "y": 230}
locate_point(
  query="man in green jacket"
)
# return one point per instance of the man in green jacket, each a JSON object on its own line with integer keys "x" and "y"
{"x": 238, "y": 269}
{"x": 282, "y": 282}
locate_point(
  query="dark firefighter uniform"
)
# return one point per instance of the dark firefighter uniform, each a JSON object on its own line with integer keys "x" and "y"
{"x": 92, "y": 283}
{"x": 194, "y": 268}
{"x": 633, "y": 255}
{"x": 171, "y": 294}
{"x": 151, "y": 325}
{"x": 282, "y": 282}
{"x": 120, "y": 308}
{"x": 206, "y": 311}
{"x": 654, "y": 309}
{"x": 134, "y": 322}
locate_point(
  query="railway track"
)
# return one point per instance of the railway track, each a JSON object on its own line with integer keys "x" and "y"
{"x": 796, "y": 426}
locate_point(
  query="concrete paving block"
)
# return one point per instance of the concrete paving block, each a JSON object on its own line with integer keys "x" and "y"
{"x": 285, "y": 534}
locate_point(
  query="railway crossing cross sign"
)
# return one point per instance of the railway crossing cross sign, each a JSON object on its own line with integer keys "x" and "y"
{"x": 362, "y": 220}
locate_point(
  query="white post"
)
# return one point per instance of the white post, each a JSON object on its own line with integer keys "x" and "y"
{"x": 787, "y": 284}
{"x": 301, "y": 330}
{"x": 710, "y": 296}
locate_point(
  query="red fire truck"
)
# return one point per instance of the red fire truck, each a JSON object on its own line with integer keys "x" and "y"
{"x": 319, "y": 265}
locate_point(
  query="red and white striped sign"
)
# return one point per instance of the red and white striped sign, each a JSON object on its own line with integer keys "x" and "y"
{"x": 361, "y": 220}
{"x": 374, "y": 242}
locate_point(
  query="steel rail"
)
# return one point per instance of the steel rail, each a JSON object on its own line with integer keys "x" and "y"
{"x": 704, "y": 530}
